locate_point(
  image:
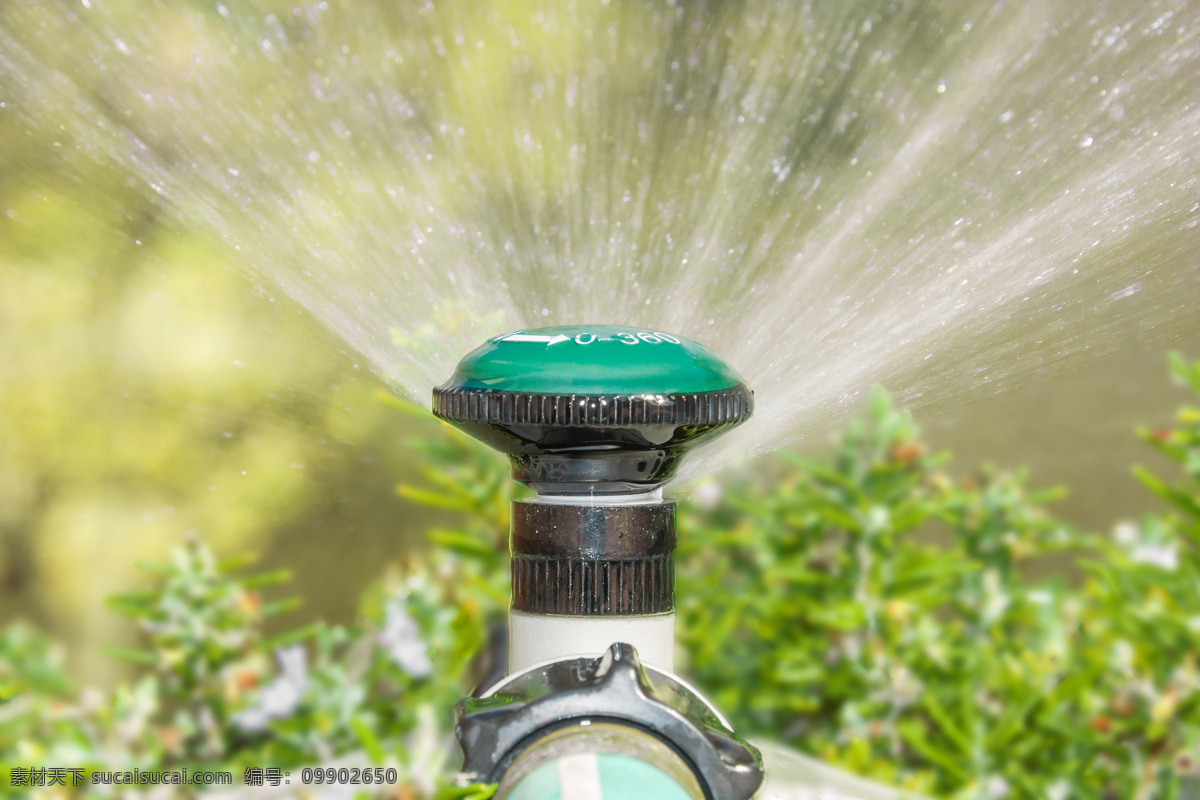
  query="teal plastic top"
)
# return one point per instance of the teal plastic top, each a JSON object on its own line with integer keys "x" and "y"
{"x": 593, "y": 359}
{"x": 616, "y": 777}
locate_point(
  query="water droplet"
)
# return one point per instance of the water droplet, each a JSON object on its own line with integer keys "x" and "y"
{"x": 941, "y": 89}
{"x": 1128, "y": 291}
{"x": 1086, "y": 142}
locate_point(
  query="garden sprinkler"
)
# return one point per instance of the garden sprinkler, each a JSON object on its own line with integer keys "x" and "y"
{"x": 595, "y": 419}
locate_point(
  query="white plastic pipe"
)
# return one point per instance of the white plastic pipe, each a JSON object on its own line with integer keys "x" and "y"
{"x": 537, "y": 638}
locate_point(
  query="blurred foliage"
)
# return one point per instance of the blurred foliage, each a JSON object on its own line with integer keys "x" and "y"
{"x": 215, "y": 694}
{"x": 865, "y": 607}
{"x": 146, "y": 391}
{"x": 942, "y": 668}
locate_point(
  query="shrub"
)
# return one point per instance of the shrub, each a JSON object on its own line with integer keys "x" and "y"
{"x": 818, "y": 609}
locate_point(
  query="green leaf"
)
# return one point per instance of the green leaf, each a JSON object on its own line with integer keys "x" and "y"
{"x": 463, "y": 543}
{"x": 130, "y": 654}
{"x": 426, "y": 497}
{"x": 1182, "y": 500}
{"x": 476, "y": 791}
{"x": 280, "y": 606}
{"x": 293, "y": 637}
{"x": 369, "y": 741}
{"x": 1187, "y": 372}
{"x": 946, "y": 725}
{"x": 913, "y": 735}
{"x": 266, "y": 579}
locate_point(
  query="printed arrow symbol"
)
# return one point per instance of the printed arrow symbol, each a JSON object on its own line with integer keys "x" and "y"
{"x": 529, "y": 337}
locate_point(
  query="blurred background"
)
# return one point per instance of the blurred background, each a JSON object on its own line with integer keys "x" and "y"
{"x": 152, "y": 389}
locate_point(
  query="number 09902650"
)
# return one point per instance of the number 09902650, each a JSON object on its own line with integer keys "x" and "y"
{"x": 354, "y": 776}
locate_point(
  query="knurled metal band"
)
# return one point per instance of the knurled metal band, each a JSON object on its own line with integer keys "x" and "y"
{"x": 593, "y": 560}
{"x": 593, "y": 587}
{"x": 724, "y": 407}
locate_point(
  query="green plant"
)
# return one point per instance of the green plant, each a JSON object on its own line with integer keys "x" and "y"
{"x": 214, "y": 694}
{"x": 941, "y": 667}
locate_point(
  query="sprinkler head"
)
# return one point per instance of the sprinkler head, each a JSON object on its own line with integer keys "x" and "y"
{"x": 590, "y": 415}
{"x": 593, "y": 409}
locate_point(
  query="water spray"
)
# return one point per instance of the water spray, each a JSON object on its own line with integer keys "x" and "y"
{"x": 595, "y": 419}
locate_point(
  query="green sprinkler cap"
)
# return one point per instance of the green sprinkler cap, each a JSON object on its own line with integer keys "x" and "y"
{"x": 593, "y": 360}
{"x": 593, "y": 409}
